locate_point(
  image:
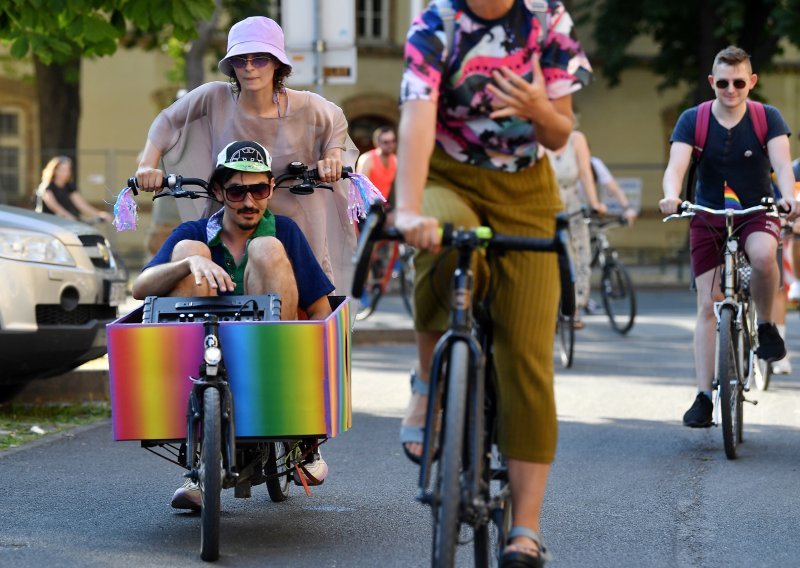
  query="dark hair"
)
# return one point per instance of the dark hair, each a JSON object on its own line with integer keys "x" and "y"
{"x": 282, "y": 72}
{"x": 380, "y": 131}
{"x": 732, "y": 56}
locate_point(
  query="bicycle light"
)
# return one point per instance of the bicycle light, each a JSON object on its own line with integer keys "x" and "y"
{"x": 212, "y": 355}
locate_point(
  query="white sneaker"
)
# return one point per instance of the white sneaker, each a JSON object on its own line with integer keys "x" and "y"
{"x": 314, "y": 472}
{"x": 188, "y": 496}
{"x": 782, "y": 367}
{"x": 794, "y": 292}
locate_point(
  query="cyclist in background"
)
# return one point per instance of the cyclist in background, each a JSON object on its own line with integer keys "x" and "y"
{"x": 380, "y": 163}
{"x": 604, "y": 179}
{"x": 476, "y": 109}
{"x": 732, "y": 159}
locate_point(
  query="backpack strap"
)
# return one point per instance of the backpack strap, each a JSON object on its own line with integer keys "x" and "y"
{"x": 758, "y": 117}
{"x": 701, "y": 129}
{"x": 448, "y": 16}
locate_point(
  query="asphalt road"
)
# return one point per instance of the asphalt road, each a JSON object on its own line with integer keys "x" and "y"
{"x": 630, "y": 485}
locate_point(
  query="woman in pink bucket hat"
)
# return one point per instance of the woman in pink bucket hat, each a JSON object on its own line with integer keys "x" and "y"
{"x": 255, "y": 104}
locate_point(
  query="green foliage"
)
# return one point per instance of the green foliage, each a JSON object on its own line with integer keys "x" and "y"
{"x": 688, "y": 34}
{"x": 57, "y": 31}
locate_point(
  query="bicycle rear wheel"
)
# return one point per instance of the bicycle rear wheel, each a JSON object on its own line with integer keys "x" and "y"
{"x": 729, "y": 381}
{"x": 762, "y": 373}
{"x": 210, "y": 475}
{"x": 368, "y": 302}
{"x": 565, "y": 335}
{"x": 619, "y": 297}
{"x": 447, "y": 502}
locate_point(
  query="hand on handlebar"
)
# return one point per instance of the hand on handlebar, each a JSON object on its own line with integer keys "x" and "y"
{"x": 149, "y": 179}
{"x": 669, "y": 205}
{"x": 218, "y": 279}
{"x": 329, "y": 169}
{"x": 791, "y": 207}
{"x": 600, "y": 208}
{"x": 418, "y": 231}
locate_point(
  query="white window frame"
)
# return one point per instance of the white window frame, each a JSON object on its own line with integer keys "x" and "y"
{"x": 10, "y": 140}
{"x": 365, "y": 12}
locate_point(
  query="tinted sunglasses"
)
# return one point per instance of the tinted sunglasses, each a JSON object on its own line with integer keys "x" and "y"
{"x": 237, "y": 193}
{"x": 257, "y": 61}
{"x": 738, "y": 83}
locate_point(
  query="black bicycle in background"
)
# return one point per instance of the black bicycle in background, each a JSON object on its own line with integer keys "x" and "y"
{"x": 616, "y": 286}
{"x": 469, "y": 488}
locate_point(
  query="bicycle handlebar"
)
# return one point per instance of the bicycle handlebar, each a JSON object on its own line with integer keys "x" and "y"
{"x": 372, "y": 230}
{"x": 309, "y": 181}
{"x": 688, "y": 209}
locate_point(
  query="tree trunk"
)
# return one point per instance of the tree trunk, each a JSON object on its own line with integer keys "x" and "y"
{"x": 58, "y": 90}
{"x": 708, "y": 45}
{"x": 195, "y": 72}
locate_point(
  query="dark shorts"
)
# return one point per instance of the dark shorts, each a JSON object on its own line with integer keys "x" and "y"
{"x": 707, "y": 236}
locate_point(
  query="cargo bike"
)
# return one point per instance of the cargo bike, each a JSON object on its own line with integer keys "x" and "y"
{"x": 226, "y": 390}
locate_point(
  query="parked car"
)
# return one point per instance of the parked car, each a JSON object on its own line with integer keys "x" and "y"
{"x": 61, "y": 284}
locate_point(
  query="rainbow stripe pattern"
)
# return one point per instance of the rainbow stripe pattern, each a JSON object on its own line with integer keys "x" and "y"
{"x": 731, "y": 199}
{"x": 288, "y": 378}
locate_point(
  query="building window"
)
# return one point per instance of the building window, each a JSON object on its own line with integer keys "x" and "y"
{"x": 10, "y": 155}
{"x": 372, "y": 21}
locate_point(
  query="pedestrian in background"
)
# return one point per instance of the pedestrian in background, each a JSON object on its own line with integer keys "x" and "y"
{"x": 58, "y": 195}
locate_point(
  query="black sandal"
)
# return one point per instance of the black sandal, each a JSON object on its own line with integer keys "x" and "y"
{"x": 521, "y": 556}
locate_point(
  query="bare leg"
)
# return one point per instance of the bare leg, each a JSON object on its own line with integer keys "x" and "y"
{"x": 187, "y": 286}
{"x": 528, "y": 482}
{"x": 269, "y": 271}
{"x": 417, "y": 405}
{"x": 762, "y": 249}
{"x": 708, "y": 292}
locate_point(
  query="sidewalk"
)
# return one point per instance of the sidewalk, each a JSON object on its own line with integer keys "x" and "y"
{"x": 390, "y": 323}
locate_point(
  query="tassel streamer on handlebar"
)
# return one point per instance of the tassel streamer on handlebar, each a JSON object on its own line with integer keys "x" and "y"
{"x": 125, "y": 211}
{"x": 362, "y": 194}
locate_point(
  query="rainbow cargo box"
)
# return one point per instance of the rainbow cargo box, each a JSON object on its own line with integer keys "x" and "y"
{"x": 288, "y": 378}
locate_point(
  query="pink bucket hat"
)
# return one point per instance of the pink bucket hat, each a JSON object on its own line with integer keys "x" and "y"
{"x": 258, "y": 34}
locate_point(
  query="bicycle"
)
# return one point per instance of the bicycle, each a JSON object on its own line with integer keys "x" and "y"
{"x": 471, "y": 484}
{"x": 391, "y": 260}
{"x": 737, "y": 336}
{"x": 616, "y": 285}
{"x": 269, "y": 435}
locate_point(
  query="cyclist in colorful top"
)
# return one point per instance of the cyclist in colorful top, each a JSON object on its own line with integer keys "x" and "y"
{"x": 477, "y": 108}
{"x": 734, "y": 166}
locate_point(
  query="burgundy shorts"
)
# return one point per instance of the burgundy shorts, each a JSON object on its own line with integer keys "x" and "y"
{"x": 707, "y": 236}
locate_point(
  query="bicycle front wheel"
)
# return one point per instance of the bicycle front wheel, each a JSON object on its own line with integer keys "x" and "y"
{"x": 619, "y": 297}
{"x": 447, "y": 502}
{"x": 729, "y": 381}
{"x": 210, "y": 475}
{"x": 276, "y": 469}
{"x": 565, "y": 335}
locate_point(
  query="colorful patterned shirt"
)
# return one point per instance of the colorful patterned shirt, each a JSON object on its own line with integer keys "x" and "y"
{"x": 464, "y": 129}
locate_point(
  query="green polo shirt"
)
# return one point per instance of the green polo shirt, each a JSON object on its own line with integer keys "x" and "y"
{"x": 265, "y": 228}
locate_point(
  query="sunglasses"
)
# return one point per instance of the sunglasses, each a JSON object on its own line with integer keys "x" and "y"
{"x": 236, "y": 193}
{"x": 738, "y": 83}
{"x": 257, "y": 61}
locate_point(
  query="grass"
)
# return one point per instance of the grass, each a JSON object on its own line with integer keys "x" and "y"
{"x": 21, "y": 423}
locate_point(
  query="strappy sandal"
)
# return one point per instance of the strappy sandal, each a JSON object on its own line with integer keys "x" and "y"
{"x": 522, "y": 556}
{"x": 415, "y": 434}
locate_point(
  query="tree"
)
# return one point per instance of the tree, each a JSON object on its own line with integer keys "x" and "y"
{"x": 689, "y": 35}
{"x": 59, "y": 33}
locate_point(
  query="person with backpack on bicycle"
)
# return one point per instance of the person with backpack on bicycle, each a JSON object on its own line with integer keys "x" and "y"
{"x": 487, "y": 86}
{"x": 738, "y": 142}
{"x": 242, "y": 249}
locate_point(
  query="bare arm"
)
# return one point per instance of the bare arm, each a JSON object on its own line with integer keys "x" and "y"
{"x": 416, "y": 139}
{"x": 615, "y": 190}
{"x": 162, "y": 279}
{"x": 585, "y": 171}
{"x": 49, "y": 199}
{"x": 781, "y": 160}
{"x": 364, "y": 164}
{"x": 320, "y": 309}
{"x": 86, "y": 208}
{"x": 148, "y": 176}
{"x": 680, "y": 154}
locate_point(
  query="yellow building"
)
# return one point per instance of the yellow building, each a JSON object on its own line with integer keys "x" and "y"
{"x": 628, "y": 127}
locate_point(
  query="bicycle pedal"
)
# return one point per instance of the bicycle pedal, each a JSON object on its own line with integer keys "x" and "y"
{"x": 753, "y": 402}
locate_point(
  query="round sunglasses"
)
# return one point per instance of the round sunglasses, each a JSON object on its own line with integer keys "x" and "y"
{"x": 236, "y": 193}
{"x": 738, "y": 83}
{"x": 257, "y": 61}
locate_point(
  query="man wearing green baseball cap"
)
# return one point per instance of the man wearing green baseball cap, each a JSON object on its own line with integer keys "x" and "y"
{"x": 243, "y": 248}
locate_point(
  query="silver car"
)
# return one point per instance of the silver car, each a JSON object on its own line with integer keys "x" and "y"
{"x": 60, "y": 285}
